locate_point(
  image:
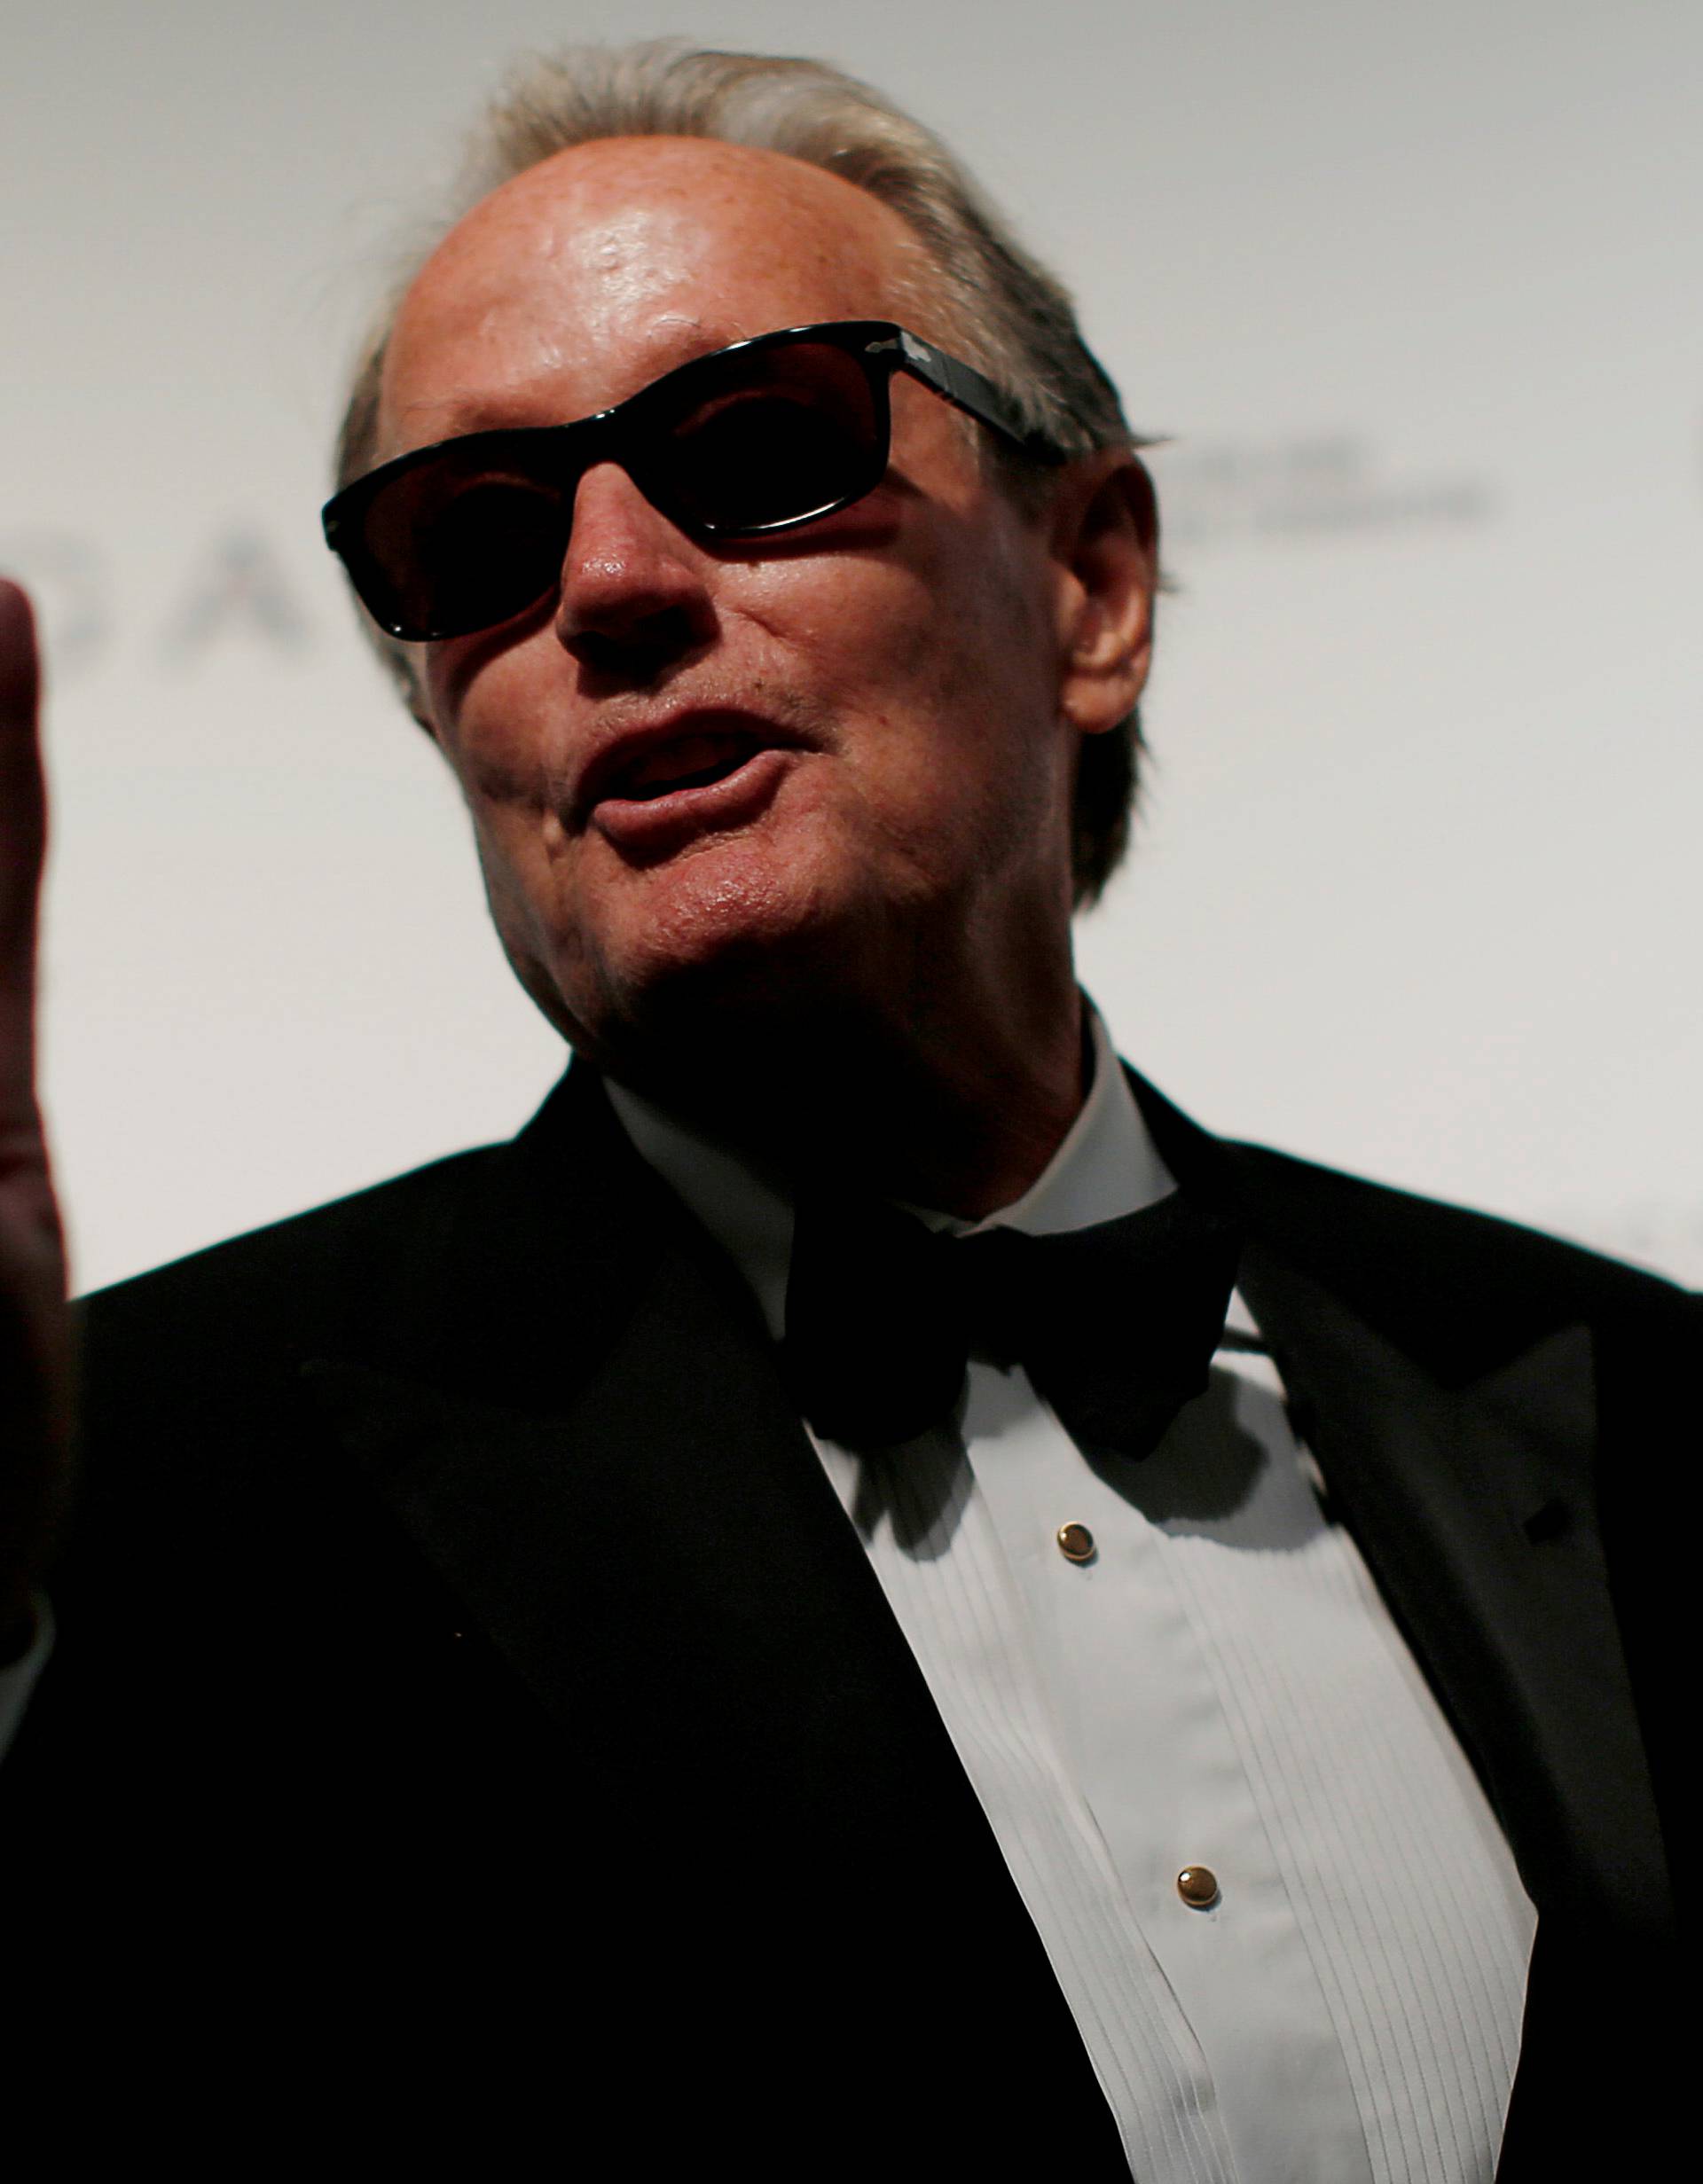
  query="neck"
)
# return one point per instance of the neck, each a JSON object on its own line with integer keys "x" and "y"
{"x": 962, "y": 1114}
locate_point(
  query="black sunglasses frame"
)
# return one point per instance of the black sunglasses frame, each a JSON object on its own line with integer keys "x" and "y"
{"x": 563, "y": 453}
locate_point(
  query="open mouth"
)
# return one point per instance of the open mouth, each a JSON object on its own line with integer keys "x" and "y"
{"x": 687, "y": 761}
{"x": 656, "y": 791}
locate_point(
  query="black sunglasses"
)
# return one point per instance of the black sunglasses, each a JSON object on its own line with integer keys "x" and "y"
{"x": 753, "y": 439}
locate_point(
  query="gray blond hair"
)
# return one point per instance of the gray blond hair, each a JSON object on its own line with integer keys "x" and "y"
{"x": 1007, "y": 312}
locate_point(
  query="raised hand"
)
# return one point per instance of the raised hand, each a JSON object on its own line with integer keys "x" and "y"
{"x": 35, "y": 1343}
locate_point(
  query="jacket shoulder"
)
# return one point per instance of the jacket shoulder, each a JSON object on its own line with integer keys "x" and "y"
{"x": 293, "y": 1284}
{"x": 1467, "y": 1284}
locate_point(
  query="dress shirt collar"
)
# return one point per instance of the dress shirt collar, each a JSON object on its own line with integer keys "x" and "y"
{"x": 1106, "y": 1166}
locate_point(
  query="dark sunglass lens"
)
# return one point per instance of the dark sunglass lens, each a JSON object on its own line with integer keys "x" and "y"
{"x": 771, "y": 436}
{"x": 464, "y": 542}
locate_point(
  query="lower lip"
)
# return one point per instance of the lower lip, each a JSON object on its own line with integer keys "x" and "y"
{"x": 652, "y": 825}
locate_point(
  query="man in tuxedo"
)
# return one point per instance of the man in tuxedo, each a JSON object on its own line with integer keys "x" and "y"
{"x": 864, "y": 1596}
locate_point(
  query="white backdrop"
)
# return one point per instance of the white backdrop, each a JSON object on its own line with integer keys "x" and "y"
{"x": 1416, "y": 293}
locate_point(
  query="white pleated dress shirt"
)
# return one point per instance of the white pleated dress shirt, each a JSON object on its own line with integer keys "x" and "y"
{"x": 1220, "y": 1686}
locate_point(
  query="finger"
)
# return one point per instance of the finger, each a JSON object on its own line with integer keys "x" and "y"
{"x": 18, "y": 669}
{"x": 23, "y": 826}
{"x": 22, "y": 798}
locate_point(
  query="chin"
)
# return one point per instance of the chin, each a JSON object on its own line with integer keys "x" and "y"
{"x": 721, "y": 910}
{"x": 724, "y": 942}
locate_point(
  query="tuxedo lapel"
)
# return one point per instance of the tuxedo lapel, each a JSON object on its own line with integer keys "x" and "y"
{"x": 1460, "y": 1444}
{"x": 1457, "y": 1405}
{"x": 1466, "y": 1505}
{"x": 660, "y": 1560}
{"x": 595, "y": 1421}
{"x": 1472, "y": 1509}
{"x": 634, "y": 1519}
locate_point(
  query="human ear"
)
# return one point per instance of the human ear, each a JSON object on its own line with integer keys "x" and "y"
{"x": 1105, "y": 546}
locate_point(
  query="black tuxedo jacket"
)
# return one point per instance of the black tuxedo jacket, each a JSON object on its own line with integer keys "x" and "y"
{"x": 472, "y": 1716}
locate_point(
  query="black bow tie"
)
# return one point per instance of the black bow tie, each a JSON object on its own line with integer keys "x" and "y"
{"x": 1115, "y": 1325}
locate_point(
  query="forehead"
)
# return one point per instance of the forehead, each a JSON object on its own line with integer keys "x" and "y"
{"x": 584, "y": 276}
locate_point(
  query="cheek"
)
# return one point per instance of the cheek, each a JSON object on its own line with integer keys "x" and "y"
{"x": 507, "y": 766}
{"x": 509, "y": 755}
{"x": 973, "y": 657}
{"x": 936, "y": 637}
{"x": 496, "y": 707}
{"x": 528, "y": 889}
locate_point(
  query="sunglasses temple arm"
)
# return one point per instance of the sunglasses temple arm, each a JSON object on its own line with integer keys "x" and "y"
{"x": 971, "y": 391}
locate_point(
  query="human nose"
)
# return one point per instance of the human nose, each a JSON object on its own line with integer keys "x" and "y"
{"x": 634, "y": 596}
